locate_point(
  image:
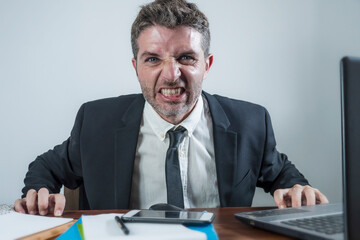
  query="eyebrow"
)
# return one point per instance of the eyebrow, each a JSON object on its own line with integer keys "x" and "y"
{"x": 190, "y": 52}
{"x": 147, "y": 54}
{"x": 152, "y": 54}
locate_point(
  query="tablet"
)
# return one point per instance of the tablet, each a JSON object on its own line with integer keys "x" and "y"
{"x": 184, "y": 217}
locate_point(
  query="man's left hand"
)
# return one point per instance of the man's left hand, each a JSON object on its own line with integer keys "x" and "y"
{"x": 298, "y": 196}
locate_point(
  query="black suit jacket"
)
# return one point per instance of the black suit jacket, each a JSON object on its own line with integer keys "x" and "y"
{"x": 99, "y": 155}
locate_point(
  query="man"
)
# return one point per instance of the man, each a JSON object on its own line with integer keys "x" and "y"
{"x": 117, "y": 149}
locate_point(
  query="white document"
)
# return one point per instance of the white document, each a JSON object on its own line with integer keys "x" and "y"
{"x": 15, "y": 225}
{"x": 104, "y": 227}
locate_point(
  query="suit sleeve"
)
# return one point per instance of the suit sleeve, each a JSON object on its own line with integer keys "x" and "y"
{"x": 276, "y": 170}
{"x": 59, "y": 166}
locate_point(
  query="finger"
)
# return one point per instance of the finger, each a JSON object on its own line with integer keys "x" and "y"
{"x": 31, "y": 201}
{"x": 309, "y": 194}
{"x": 296, "y": 193}
{"x": 59, "y": 203}
{"x": 20, "y": 205}
{"x": 43, "y": 201}
{"x": 320, "y": 198}
{"x": 279, "y": 197}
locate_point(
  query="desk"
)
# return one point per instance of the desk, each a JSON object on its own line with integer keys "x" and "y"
{"x": 226, "y": 225}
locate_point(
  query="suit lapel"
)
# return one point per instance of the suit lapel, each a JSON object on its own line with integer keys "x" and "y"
{"x": 126, "y": 138}
{"x": 225, "y": 146}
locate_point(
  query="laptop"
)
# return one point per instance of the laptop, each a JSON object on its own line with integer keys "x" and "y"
{"x": 327, "y": 221}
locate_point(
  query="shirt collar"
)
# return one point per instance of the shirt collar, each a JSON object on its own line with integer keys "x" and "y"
{"x": 160, "y": 126}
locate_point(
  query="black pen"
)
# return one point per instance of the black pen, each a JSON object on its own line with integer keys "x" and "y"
{"x": 122, "y": 225}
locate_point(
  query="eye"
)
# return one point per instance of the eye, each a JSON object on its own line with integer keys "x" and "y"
{"x": 186, "y": 59}
{"x": 151, "y": 59}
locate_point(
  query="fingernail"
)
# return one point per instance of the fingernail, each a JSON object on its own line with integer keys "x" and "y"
{"x": 42, "y": 213}
{"x": 32, "y": 212}
{"x": 58, "y": 213}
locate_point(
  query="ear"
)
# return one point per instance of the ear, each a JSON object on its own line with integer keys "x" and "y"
{"x": 208, "y": 61}
{"x": 133, "y": 60}
{"x": 133, "y": 63}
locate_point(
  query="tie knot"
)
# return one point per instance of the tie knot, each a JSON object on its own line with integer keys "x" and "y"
{"x": 175, "y": 136}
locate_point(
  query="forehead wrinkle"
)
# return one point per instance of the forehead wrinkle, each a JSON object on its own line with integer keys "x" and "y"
{"x": 164, "y": 40}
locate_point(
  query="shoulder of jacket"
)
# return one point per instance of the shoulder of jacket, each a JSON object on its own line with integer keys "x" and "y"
{"x": 228, "y": 103}
{"x": 123, "y": 99}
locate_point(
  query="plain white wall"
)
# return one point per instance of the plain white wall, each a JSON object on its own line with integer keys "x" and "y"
{"x": 283, "y": 54}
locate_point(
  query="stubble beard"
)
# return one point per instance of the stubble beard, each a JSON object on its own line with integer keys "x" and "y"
{"x": 190, "y": 101}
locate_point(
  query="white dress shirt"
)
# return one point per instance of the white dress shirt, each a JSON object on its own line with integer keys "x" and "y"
{"x": 196, "y": 158}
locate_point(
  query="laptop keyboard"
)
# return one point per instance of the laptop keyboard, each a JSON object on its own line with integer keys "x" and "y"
{"x": 275, "y": 212}
{"x": 330, "y": 224}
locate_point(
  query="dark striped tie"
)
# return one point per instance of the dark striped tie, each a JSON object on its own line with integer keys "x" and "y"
{"x": 172, "y": 168}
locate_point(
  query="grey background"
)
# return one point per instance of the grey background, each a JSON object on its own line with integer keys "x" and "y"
{"x": 282, "y": 54}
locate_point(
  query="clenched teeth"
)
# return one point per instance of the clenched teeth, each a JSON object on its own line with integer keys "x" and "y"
{"x": 171, "y": 92}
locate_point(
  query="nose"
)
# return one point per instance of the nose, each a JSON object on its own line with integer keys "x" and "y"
{"x": 171, "y": 71}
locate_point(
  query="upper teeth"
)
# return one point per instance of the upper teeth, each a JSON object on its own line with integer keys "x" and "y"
{"x": 170, "y": 92}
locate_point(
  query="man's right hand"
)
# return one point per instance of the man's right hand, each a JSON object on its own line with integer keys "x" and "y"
{"x": 41, "y": 202}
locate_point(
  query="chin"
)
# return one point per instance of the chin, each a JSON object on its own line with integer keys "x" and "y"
{"x": 173, "y": 111}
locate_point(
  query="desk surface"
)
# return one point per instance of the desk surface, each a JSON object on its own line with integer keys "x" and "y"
{"x": 226, "y": 225}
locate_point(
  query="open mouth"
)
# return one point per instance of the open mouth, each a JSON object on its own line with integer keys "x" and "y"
{"x": 172, "y": 92}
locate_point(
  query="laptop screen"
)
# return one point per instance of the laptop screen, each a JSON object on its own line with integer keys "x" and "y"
{"x": 350, "y": 109}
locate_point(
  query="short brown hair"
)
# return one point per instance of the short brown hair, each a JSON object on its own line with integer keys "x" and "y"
{"x": 170, "y": 14}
